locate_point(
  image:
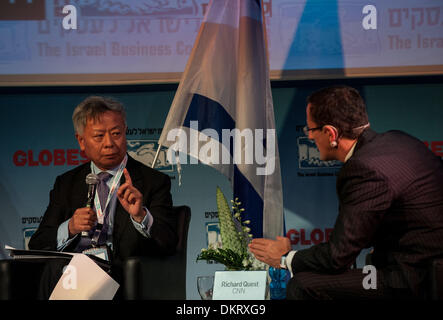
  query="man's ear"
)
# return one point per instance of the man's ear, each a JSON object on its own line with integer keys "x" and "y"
{"x": 81, "y": 141}
{"x": 332, "y": 132}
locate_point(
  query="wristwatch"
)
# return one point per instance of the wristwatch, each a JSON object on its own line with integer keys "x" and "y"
{"x": 283, "y": 261}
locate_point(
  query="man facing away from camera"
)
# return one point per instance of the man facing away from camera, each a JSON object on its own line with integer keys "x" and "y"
{"x": 390, "y": 191}
{"x": 131, "y": 213}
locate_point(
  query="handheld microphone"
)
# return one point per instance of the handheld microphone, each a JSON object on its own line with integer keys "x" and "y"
{"x": 91, "y": 180}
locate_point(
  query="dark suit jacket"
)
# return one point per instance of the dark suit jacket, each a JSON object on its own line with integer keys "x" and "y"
{"x": 390, "y": 198}
{"x": 70, "y": 193}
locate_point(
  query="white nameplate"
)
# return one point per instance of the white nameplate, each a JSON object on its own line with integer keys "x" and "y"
{"x": 239, "y": 285}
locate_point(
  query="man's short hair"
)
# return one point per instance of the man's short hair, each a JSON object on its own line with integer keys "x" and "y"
{"x": 341, "y": 107}
{"x": 94, "y": 107}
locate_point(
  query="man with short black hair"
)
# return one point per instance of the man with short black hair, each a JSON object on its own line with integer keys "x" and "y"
{"x": 390, "y": 198}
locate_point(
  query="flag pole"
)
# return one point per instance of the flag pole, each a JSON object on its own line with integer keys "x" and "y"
{"x": 156, "y": 156}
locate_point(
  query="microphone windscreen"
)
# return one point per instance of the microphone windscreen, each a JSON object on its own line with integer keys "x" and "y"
{"x": 92, "y": 178}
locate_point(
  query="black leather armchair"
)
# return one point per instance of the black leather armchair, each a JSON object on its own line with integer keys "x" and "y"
{"x": 159, "y": 278}
{"x": 143, "y": 277}
{"x": 436, "y": 279}
{"x": 434, "y": 286}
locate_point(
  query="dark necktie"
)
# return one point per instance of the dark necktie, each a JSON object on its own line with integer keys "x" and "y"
{"x": 103, "y": 192}
{"x": 103, "y": 189}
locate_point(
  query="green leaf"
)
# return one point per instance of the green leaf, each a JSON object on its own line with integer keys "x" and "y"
{"x": 227, "y": 257}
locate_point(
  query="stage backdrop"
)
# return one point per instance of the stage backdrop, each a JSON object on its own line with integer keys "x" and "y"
{"x": 39, "y": 144}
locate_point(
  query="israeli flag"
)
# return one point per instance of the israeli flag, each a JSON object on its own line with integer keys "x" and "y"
{"x": 222, "y": 114}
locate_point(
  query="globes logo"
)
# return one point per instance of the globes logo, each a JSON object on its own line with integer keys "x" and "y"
{"x": 56, "y": 157}
{"x": 305, "y": 238}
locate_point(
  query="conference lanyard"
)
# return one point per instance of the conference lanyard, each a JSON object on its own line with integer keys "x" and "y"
{"x": 101, "y": 214}
{"x": 113, "y": 189}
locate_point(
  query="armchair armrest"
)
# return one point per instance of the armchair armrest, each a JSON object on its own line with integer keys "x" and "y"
{"x": 436, "y": 279}
{"x": 20, "y": 279}
{"x": 154, "y": 278}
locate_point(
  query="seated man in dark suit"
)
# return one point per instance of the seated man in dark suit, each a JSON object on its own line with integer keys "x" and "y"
{"x": 390, "y": 198}
{"x": 132, "y": 211}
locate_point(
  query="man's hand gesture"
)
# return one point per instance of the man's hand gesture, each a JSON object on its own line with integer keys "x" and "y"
{"x": 131, "y": 199}
{"x": 270, "y": 251}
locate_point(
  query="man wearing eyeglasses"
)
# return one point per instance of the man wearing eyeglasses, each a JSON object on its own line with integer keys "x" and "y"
{"x": 390, "y": 191}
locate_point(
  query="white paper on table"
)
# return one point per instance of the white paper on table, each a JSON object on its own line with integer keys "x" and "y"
{"x": 83, "y": 279}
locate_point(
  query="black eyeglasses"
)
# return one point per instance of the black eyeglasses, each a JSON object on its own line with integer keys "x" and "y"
{"x": 306, "y": 129}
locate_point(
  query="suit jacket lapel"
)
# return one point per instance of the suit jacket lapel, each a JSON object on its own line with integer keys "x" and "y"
{"x": 136, "y": 176}
{"x": 80, "y": 188}
{"x": 121, "y": 217}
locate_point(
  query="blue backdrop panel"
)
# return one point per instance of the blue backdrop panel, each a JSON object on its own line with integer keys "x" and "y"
{"x": 39, "y": 144}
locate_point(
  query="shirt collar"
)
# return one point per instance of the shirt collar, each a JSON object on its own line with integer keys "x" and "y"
{"x": 97, "y": 170}
{"x": 351, "y": 152}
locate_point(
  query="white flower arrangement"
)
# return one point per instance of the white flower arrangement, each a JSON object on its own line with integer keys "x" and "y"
{"x": 234, "y": 252}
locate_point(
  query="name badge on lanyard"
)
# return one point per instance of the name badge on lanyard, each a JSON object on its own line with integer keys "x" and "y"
{"x": 101, "y": 212}
{"x": 115, "y": 182}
